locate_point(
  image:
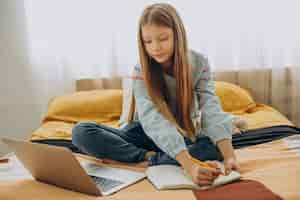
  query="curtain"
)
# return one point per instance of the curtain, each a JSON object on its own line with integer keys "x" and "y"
{"x": 71, "y": 40}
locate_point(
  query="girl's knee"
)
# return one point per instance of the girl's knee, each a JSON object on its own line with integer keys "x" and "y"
{"x": 79, "y": 132}
{"x": 204, "y": 149}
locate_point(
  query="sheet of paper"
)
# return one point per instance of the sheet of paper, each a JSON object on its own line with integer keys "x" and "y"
{"x": 293, "y": 142}
{"x": 13, "y": 170}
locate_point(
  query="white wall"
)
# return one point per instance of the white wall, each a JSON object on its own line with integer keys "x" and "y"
{"x": 18, "y": 113}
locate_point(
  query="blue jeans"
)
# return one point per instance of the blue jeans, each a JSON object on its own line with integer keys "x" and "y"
{"x": 130, "y": 144}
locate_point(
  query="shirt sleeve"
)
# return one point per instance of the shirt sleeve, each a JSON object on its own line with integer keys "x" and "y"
{"x": 163, "y": 133}
{"x": 215, "y": 123}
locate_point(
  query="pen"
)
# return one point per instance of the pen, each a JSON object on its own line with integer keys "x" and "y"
{"x": 201, "y": 163}
{"x": 4, "y": 160}
{"x": 205, "y": 165}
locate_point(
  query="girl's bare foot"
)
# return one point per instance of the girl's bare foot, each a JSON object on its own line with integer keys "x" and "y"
{"x": 143, "y": 164}
{"x": 149, "y": 154}
{"x": 140, "y": 164}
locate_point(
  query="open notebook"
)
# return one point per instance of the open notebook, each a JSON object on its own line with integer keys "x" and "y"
{"x": 174, "y": 177}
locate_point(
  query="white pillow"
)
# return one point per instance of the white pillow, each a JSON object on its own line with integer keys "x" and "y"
{"x": 127, "y": 91}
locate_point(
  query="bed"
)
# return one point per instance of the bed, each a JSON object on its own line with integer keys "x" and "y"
{"x": 269, "y": 151}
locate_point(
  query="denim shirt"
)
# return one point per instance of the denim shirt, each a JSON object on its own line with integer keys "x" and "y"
{"x": 207, "y": 114}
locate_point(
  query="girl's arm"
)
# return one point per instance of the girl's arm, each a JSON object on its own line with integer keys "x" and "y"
{"x": 230, "y": 161}
{"x": 165, "y": 135}
{"x": 216, "y": 124}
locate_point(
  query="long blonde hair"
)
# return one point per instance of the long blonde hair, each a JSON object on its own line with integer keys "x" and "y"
{"x": 163, "y": 14}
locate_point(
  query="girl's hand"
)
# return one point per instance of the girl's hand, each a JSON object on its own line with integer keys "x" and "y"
{"x": 201, "y": 175}
{"x": 231, "y": 164}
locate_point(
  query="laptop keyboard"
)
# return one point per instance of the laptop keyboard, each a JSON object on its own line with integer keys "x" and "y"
{"x": 106, "y": 184}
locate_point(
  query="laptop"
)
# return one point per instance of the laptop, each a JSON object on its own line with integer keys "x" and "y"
{"x": 58, "y": 166}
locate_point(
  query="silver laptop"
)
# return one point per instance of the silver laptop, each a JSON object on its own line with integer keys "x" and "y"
{"x": 58, "y": 166}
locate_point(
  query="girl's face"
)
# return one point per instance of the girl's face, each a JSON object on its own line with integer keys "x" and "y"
{"x": 159, "y": 43}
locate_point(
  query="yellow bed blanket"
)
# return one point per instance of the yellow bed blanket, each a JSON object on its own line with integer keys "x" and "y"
{"x": 105, "y": 107}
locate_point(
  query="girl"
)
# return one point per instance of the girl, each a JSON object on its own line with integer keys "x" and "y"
{"x": 175, "y": 114}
